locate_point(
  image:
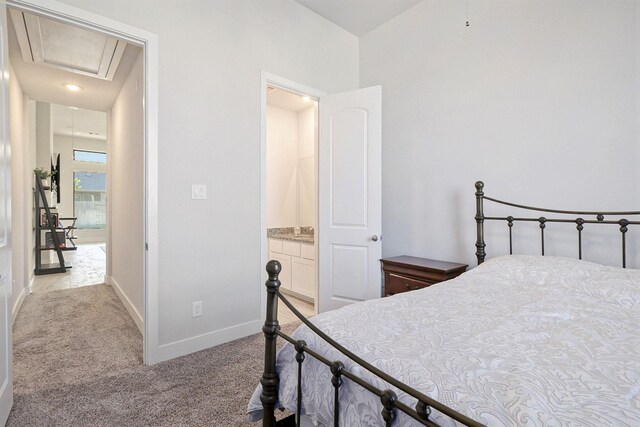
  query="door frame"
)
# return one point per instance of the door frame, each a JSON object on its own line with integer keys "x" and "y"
{"x": 267, "y": 79}
{"x": 6, "y": 243}
{"x": 149, "y": 42}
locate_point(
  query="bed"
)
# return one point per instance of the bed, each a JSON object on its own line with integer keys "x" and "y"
{"x": 530, "y": 340}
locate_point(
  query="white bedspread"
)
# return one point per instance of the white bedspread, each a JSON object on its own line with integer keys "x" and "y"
{"x": 519, "y": 340}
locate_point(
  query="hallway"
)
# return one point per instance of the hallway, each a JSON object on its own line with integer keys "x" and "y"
{"x": 78, "y": 362}
{"x": 71, "y": 349}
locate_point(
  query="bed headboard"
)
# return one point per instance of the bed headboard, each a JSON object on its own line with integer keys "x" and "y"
{"x": 579, "y": 218}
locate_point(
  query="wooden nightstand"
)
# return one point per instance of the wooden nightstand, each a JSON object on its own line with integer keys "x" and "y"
{"x": 407, "y": 273}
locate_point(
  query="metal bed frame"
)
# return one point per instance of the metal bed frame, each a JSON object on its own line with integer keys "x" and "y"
{"x": 598, "y": 218}
{"x": 388, "y": 399}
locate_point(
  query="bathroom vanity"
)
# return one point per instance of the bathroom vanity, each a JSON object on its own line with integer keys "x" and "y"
{"x": 296, "y": 254}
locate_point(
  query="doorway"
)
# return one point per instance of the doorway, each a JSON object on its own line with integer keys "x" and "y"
{"x": 291, "y": 193}
{"x": 145, "y": 86}
{"x": 347, "y": 231}
{"x": 76, "y": 77}
{"x": 14, "y": 240}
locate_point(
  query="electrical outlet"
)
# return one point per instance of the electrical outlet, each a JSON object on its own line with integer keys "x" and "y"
{"x": 196, "y": 308}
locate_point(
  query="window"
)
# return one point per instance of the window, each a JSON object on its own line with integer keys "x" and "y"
{"x": 90, "y": 199}
{"x": 89, "y": 156}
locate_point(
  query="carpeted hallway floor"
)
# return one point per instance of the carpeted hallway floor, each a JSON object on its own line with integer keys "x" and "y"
{"x": 78, "y": 362}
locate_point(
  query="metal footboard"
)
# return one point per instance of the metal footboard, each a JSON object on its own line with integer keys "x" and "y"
{"x": 390, "y": 405}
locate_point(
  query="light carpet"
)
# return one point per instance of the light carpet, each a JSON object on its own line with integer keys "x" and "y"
{"x": 78, "y": 362}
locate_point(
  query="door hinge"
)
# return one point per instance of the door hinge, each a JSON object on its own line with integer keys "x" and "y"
{"x": 146, "y": 246}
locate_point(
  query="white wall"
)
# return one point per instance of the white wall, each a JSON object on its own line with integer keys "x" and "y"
{"x": 536, "y": 98}
{"x": 44, "y": 136}
{"x": 290, "y": 153}
{"x": 282, "y": 167}
{"x": 126, "y": 194}
{"x": 307, "y": 136}
{"x": 209, "y": 132}
{"x": 44, "y": 156}
{"x": 32, "y": 164}
{"x": 211, "y": 55}
{"x": 637, "y": 92}
{"x": 20, "y": 206}
{"x": 64, "y": 145}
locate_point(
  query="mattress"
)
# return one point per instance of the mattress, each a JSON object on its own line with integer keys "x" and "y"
{"x": 519, "y": 340}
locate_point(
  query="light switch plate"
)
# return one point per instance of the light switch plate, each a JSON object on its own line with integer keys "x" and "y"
{"x": 198, "y": 192}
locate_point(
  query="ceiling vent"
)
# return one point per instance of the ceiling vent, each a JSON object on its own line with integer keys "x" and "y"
{"x": 58, "y": 45}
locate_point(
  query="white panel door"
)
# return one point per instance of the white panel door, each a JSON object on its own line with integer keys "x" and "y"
{"x": 6, "y": 383}
{"x": 349, "y": 196}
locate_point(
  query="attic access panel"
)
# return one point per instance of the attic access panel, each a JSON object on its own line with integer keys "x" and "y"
{"x": 66, "y": 47}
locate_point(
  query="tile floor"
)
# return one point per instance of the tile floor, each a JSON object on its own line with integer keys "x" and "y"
{"x": 89, "y": 268}
{"x": 286, "y": 316}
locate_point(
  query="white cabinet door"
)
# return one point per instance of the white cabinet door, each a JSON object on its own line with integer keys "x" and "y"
{"x": 307, "y": 251}
{"x": 275, "y": 245}
{"x": 291, "y": 248}
{"x": 285, "y": 274}
{"x": 350, "y": 214}
{"x": 303, "y": 277}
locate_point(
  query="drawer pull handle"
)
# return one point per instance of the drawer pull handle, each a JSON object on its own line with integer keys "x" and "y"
{"x": 408, "y": 286}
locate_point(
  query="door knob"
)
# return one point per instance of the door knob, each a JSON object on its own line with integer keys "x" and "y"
{"x": 374, "y": 238}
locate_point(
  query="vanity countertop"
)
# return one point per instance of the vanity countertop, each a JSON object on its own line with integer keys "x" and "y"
{"x": 287, "y": 233}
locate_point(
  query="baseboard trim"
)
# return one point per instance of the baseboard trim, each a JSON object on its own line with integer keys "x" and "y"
{"x": 204, "y": 341}
{"x": 6, "y": 400}
{"x": 137, "y": 318}
{"x": 18, "y": 304}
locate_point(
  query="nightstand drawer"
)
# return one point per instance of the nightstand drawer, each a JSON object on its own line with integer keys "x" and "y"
{"x": 407, "y": 273}
{"x": 397, "y": 284}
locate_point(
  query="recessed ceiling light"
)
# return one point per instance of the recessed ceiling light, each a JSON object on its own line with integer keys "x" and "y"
{"x": 306, "y": 98}
{"x": 72, "y": 87}
{"x": 71, "y": 107}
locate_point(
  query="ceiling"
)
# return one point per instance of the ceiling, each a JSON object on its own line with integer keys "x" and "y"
{"x": 78, "y": 122}
{"x": 59, "y": 45}
{"x": 287, "y": 100}
{"x": 44, "y": 83}
{"x": 359, "y": 16}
